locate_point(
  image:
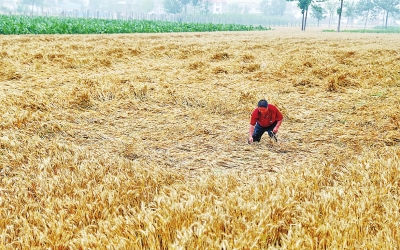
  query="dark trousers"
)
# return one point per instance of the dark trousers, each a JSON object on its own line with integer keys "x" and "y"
{"x": 259, "y": 131}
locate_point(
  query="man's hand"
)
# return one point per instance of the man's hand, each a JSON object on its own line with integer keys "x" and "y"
{"x": 278, "y": 124}
{"x": 251, "y": 132}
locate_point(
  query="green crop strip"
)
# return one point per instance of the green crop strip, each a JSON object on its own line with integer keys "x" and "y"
{"x": 18, "y": 25}
{"x": 374, "y": 30}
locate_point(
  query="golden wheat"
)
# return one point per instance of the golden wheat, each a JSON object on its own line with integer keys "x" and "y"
{"x": 139, "y": 141}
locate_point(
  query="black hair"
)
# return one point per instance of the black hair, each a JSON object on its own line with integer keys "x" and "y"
{"x": 263, "y": 103}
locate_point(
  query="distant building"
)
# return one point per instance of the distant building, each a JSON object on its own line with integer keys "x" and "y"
{"x": 219, "y": 6}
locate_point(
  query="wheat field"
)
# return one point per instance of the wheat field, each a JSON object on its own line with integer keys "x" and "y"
{"x": 140, "y": 141}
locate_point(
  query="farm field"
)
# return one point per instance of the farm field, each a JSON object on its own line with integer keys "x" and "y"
{"x": 23, "y": 25}
{"x": 139, "y": 141}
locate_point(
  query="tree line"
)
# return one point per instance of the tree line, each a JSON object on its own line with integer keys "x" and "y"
{"x": 366, "y": 9}
{"x": 318, "y": 9}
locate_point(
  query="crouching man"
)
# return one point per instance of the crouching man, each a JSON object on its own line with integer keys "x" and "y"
{"x": 265, "y": 118}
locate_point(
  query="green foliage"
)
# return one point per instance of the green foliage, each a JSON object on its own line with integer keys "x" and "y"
{"x": 374, "y": 30}
{"x": 351, "y": 10}
{"x": 303, "y": 5}
{"x": 318, "y": 12}
{"x": 364, "y": 6}
{"x": 366, "y": 9}
{"x": 388, "y": 5}
{"x": 17, "y": 25}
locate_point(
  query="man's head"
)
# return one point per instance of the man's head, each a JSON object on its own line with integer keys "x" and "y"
{"x": 263, "y": 103}
{"x": 263, "y": 106}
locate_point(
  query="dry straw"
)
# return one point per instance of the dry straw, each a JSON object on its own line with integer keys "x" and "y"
{"x": 139, "y": 141}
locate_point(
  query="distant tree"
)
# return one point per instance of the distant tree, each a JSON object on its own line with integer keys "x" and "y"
{"x": 303, "y": 5}
{"x": 184, "y": 4}
{"x": 32, "y": 3}
{"x": 339, "y": 12}
{"x": 331, "y": 7}
{"x": 195, "y": 3}
{"x": 273, "y": 7}
{"x": 205, "y": 6}
{"x": 389, "y": 6}
{"x": 318, "y": 13}
{"x": 279, "y": 8}
{"x": 172, "y": 6}
{"x": 366, "y": 9}
{"x": 265, "y": 7}
{"x": 350, "y": 12}
{"x": 234, "y": 8}
{"x": 397, "y": 16}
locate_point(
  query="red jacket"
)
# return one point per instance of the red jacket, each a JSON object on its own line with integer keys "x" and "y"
{"x": 272, "y": 116}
